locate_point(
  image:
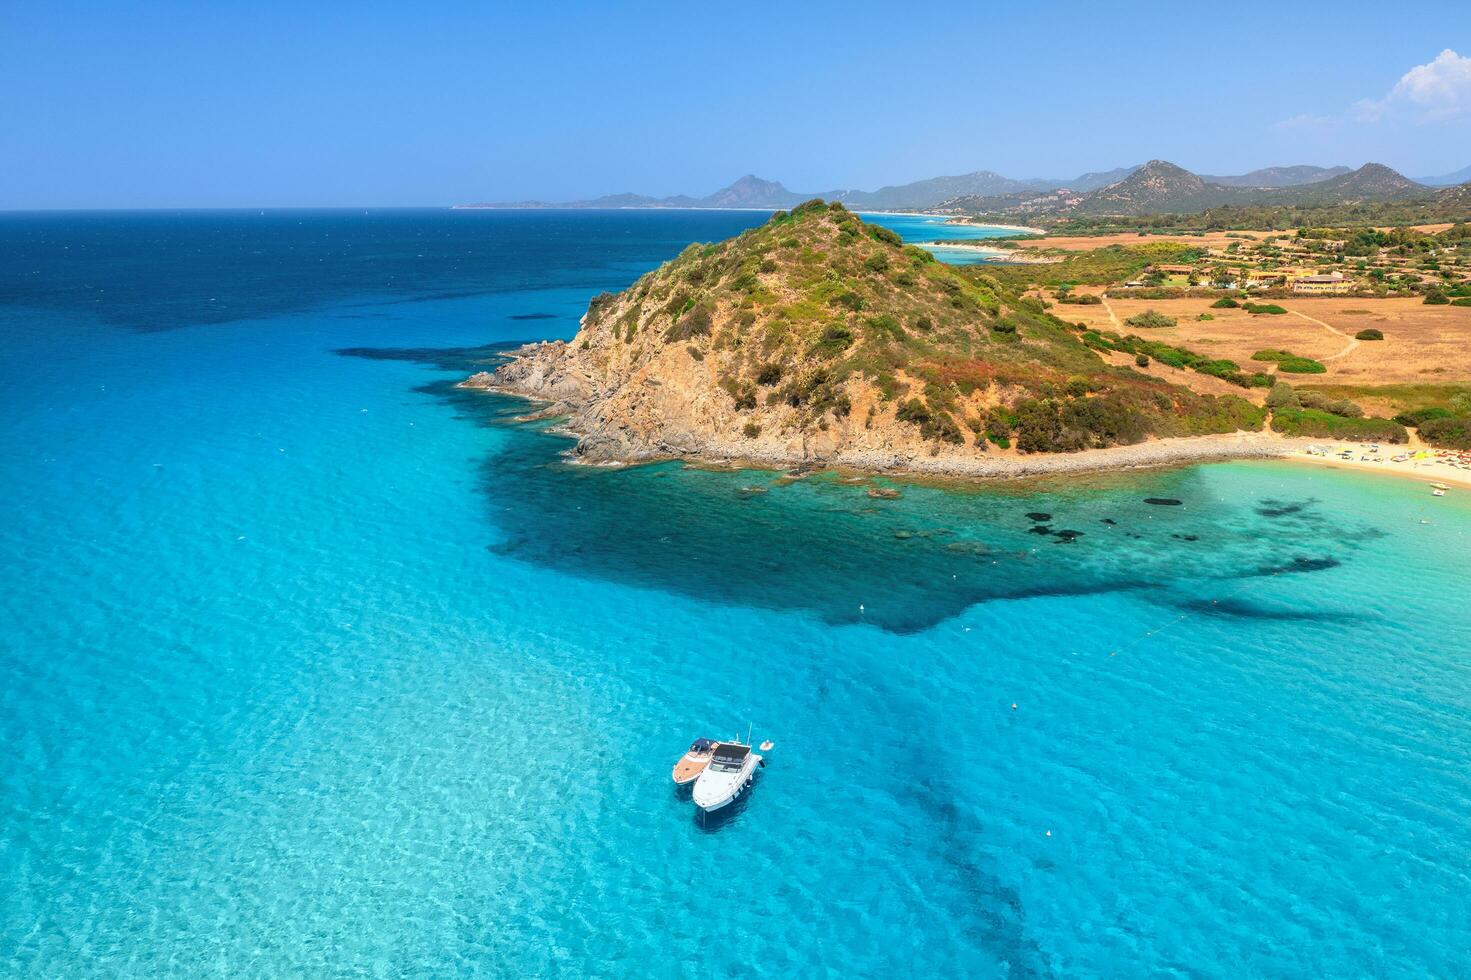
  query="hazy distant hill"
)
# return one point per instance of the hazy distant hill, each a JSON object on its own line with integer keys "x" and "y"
{"x": 752, "y": 192}
{"x": 748, "y": 192}
{"x": 1093, "y": 181}
{"x": 928, "y": 193}
{"x": 1447, "y": 180}
{"x": 1277, "y": 176}
{"x": 1371, "y": 182}
{"x": 1157, "y": 187}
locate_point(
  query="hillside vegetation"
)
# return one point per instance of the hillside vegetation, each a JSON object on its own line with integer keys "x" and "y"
{"x": 820, "y": 332}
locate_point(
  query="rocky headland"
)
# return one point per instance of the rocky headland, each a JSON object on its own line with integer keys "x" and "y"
{"x": 817, "y": 339}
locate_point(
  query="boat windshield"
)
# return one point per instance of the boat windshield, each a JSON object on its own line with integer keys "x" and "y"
{"x": 729, "y": 758}
{"x": 701, "y": 745}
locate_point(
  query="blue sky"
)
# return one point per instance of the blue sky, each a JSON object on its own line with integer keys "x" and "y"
{"x": 266, "y": 104}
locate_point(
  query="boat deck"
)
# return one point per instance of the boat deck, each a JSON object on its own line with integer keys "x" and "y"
{"x": 690, "y": 766}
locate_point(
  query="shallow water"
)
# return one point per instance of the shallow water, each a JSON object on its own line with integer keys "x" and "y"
{"x": 918, "y": 228}
{"x": 316, "y": 664}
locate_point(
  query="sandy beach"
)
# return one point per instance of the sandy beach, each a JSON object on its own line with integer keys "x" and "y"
{"x": 1011, "y": 256}
{"x": 1148, "y": 455}
{"x": 1019, "y": 229}
{"x": 1427, "y": 470}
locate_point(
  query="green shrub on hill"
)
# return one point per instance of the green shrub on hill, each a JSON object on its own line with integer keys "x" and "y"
{"x": 1318, "y": 424}
{"x": 1150, "y": 319}
{"x": 885, "y": 235}
{"x": 1327, "y": 403}
{"x": 1420, "y": 416}
{"x": 1301, "y": 365}
{"x": 1436, "y": 297}
{"x": 1225, "y": 303}
{"x": 1369, "y": 334}
{"x": 1271, "y": 354}
{"x": 934, "y": 423}
{"x": 1070, "y": 424}
{"x": 1282, "y": 395}
{"x": 1270, "y": 309}
{"x": 1448, "y": 433}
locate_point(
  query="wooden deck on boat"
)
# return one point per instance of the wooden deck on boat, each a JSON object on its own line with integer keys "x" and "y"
{"x": 690, "y": 766}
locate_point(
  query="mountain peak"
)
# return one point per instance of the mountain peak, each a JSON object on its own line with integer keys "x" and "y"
{"x": 751, "y": 191}
{"x": 1376, "y": 180}
{"x": 1156, "y": 181}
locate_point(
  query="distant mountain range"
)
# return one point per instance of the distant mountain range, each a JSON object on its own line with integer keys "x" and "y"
{"x": 753, "y": 192}
{"x": 1157, "y": 187}
{"x": 1447, "y": 180}
{"x": 1160, "y": 187}
{"x": 1277, "y": 177}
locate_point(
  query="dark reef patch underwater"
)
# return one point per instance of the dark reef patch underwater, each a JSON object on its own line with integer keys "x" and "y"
{"x": 820, "y": 545}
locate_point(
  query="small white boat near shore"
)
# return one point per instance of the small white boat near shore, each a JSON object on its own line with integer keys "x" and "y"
{"x": 730, "y": 772}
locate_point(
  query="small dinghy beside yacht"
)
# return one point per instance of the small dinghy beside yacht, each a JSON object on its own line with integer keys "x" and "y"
{"x": 731, "y": 769}
{"x": 693, "y": 762}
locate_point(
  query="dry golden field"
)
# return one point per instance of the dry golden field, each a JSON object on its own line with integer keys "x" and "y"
{"x": 1083, "y": 243}
{"x": 1421, "y": 343}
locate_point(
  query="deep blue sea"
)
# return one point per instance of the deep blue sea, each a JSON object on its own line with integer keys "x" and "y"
{"x": 315, "y": 665}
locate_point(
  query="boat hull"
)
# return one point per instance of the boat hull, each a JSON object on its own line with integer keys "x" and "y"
{"x": 715, "y": 791}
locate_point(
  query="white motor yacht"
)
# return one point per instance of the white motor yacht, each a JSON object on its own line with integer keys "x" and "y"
{"x": 730, "y": 771}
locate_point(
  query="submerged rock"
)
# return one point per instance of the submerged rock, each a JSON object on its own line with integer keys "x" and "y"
{"x": 1277, "y": 508}
{"x": 1163, "y": 501}
{"x": 1300, "y": 564}
{"x": 884, "y": 493}
{"x": 1038, "y": 516}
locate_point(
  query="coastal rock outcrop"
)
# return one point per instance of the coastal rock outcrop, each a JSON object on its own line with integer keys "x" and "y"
{"x": 817, "y": 338}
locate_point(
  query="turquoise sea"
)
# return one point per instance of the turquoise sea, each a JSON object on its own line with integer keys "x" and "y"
{"x": 922, "y": 228}
{"x": 315, "y": 665}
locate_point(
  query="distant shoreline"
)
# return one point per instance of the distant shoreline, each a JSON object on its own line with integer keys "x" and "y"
{"x": 940, "y": 218}
{"x": 1024, "y": 229}
{"x": 1008, "y": 256}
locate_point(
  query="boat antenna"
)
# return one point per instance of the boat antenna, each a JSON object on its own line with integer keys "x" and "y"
{"x": 748, "y": 733}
